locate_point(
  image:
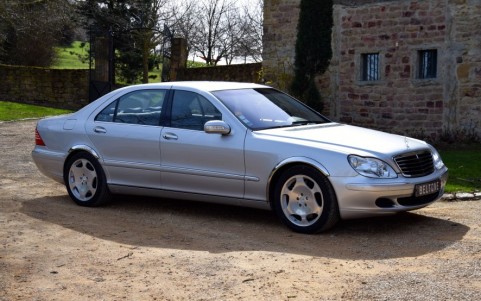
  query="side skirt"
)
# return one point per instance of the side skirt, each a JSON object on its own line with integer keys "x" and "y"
{"x": 128, "y": 190}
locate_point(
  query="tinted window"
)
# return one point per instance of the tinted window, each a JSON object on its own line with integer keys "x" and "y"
{"x": 139, "y": 107}
{"x": 191, "y": 111}
{"x": 267, "y": 108}
{"x": 108, "y": 113}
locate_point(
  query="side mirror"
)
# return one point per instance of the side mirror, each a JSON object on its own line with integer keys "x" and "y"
{"x": 216, "y": 127}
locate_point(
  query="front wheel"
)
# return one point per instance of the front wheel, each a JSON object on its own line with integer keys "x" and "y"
{"x": 305, "y": 201}
{"x": 85, "y": 180}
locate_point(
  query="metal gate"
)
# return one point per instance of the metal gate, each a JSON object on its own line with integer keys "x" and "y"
{"x": 101, "y": 64}
{"x": 166, "y": 52}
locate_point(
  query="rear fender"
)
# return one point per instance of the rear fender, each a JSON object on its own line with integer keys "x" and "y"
{"x": 84, "y": 148}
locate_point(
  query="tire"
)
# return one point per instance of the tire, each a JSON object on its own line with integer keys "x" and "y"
{"x": 305, "y": 201}
{"x": 85, "y": 180}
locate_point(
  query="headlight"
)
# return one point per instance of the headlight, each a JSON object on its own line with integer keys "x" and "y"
{"x": 438, "y": 162}
{"x": 371, "y": 167}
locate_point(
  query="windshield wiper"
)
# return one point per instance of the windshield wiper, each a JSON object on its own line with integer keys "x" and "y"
{"x": 305, "y": 122}
{"x": 294, "y": 123}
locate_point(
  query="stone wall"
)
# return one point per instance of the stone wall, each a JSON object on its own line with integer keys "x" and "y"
{"x": 233, "y": 73}
{"x": 69, "y": 88}
{"x": 399, "y": 102}
{"x": 51, "y": 87}
{"x": 280, "y": 31}
{"x": 464, "y": 32}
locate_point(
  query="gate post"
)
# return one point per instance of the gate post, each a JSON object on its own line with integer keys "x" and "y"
{"x": 101, "y": 73}
{"x": 178, "y": 59}
{"x": 102, "y": 61}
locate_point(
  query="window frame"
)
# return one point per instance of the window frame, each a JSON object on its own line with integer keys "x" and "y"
{"x": 364, "y": 75}
{"x": 425, "y": 67}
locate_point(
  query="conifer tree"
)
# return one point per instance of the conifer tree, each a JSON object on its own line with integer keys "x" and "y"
{"x": 313, "y": 50}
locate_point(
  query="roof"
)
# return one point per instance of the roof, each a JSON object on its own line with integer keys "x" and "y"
{"x": 206, "y": 85}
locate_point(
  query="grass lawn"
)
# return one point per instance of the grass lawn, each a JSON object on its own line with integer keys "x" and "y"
{"x": 76, "y": 57}
{"x": 464, "y": 168}
{"x": 70, "y": 57}
{"x": 15, "y": 111}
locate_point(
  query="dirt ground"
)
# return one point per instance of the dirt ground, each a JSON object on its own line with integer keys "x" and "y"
{"x": 157, "y": 249}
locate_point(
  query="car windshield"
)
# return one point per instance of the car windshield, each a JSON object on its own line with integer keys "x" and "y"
{"x": 266, "y": 108}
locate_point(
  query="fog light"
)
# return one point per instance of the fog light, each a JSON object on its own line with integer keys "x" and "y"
{"x": 384, "y": 203}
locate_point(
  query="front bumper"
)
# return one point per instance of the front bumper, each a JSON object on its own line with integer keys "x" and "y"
{"x": 363, "y": 197}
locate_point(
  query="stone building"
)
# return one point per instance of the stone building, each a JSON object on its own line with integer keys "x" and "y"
{"x": 403, "y": 66}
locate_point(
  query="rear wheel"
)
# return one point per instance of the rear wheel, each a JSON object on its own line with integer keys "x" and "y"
{"x": 305, "y": 201}
{"x": 85, "y": 180}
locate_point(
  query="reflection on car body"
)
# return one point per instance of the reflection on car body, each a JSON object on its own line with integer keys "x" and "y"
{"x": 235, "y": 143}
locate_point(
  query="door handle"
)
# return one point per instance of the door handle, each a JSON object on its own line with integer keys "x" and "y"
{"x": 100, "y": 130}
{"x": 170, "y": 136}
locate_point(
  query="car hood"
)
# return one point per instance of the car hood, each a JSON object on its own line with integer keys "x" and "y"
{"x": 347, "y": 139}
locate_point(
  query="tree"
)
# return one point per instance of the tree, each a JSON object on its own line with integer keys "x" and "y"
{"x": 234, "y": 34}
{"x": 220, "y": 29}
{"x": 24, "y": 24}
{"x": 145, "y": 29}
{"x": 211, "y": 28}
{"x": 313, "y": 49}
{"x": 243, "y": 38}
{"x": 184, "y": 21}
{"x": 250, "y": 46}
{"x": 134, "y": 26}
{"x": 214, "y": 29}
{"x": 110, "y": 18}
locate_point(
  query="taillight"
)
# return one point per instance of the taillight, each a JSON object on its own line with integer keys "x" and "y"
{"x": 38, "y": 139}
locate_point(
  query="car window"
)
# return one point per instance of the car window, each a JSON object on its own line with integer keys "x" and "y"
{"x": 191, "y": 111}
{"x": 267, "y": 108}
{"x": 139, "y": 107}
{"x": 108, "y": 113}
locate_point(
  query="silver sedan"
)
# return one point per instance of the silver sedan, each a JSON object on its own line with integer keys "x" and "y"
{"x": 235, "y": 143}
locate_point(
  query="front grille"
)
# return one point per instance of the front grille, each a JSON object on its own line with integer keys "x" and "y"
{"x": 415, "y": 164}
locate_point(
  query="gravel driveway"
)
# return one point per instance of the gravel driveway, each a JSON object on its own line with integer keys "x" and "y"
{"x": 151, "y": 249}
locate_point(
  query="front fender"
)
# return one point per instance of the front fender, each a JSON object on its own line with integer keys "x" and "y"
{"x": 289, "y": 162}
{"x": 301, "y": 160}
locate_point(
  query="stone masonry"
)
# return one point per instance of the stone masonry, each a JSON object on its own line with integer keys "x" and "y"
{"x": 58, "y": 88}
{"x": 444, "y": 106}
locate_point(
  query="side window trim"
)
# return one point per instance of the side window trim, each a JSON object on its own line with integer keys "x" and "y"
{"x": 166, "y": 114}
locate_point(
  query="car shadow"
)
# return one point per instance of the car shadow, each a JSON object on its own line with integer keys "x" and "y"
{"x": 175, "y": 224}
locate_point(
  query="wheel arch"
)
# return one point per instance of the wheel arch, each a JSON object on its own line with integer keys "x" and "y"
{"x": 97, "y": 185}
{"x": 286, "y": 164}
{"x": 78, "y": 149}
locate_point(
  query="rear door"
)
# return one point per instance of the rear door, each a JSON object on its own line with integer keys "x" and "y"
{"x": 126, "y": 134}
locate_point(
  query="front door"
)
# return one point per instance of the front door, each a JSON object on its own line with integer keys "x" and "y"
{"x": 197, "y": 162}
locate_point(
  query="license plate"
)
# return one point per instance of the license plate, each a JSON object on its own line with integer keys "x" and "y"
{"x": 427, "y": 188}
